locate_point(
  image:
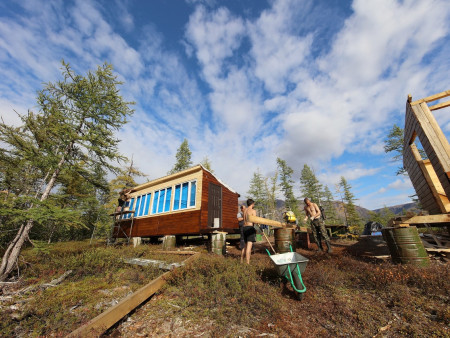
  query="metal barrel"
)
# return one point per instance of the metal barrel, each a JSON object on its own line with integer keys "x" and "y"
{"x": 284, "y": 238}
{"x": 169, "y": 242}
{"x": 218, "y": 243}
{"x": 405, "y": 246}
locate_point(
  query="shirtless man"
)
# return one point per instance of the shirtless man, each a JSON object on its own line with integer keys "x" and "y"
{"x": 249, "y": 230}
{"x": 317, "y": 226}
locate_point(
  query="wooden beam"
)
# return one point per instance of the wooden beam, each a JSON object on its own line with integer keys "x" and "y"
{"x": 266, "y": 221}
{"x": 432, "y": 97}
{"x": 98, "y": 325}
{"x": 441, "y": 218}
{"x": 176, "y": 252}
{"x": 440, "y": 105}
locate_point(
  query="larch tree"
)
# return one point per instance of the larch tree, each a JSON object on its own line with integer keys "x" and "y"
{"x": 353, "y": 218}
{"x": 183, "y": 158}
{"x": 257, "y": 191}
{"x": 330, "y": 210}
{"x": 310, "y": 186}
{"x": 206, "y": 163}
{"x": 271, "y": 186}
{"x": 286, "y": 185}
{"x": 394, "y": 144}
{"x": 73, "y": 133}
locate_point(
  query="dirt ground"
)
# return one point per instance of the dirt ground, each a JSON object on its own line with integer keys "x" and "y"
{"x": 341, "y": 300}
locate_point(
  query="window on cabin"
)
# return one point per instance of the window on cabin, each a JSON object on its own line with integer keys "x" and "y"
{"x": 147, "y": 204}
{"x": 161, "y": 200}
{"x": 184, "y": 195}
{"x": 129, "y": 205}
{"x": 142, "y": 205}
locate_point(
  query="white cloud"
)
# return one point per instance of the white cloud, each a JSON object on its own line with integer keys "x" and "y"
{"x": 351, "y": 171}
{"x": 276, "y": 50}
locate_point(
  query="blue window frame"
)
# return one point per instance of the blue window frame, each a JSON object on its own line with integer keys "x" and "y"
{"x": 161, "y": 200}
{"x": 162, "y": 194}
{"x": 155, "y": 202}
{"x": 147, "y": 204}
{"x": 176, "y": 199}
{"x": 142, "y": 205}
{"x": 138, "y": 206}
{"x": 130, "y": 205}
{"x": 185, "y": 194}
{"x": 168, "y": 197}
{"x": 192, "y": 196}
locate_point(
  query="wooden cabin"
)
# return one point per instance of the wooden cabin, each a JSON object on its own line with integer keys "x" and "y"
{"x": 190, "y": 202}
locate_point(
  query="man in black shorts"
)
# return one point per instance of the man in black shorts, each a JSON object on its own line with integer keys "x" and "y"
{"x": 249, "y": 230}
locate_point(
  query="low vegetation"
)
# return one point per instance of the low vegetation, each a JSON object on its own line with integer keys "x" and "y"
{"x": 219, "y": 296}
{"x": 345, "y": 295}
{"x": 99, "y": 279}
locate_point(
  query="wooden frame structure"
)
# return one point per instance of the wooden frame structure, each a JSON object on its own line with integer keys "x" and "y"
{"x": 430, "y": 176}
{"x": 189, "y": 202}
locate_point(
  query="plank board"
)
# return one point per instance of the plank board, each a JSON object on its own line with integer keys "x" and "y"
{"x": 95, "y": 327}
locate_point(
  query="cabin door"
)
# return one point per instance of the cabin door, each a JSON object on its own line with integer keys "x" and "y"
{"x": 214, "y": 204}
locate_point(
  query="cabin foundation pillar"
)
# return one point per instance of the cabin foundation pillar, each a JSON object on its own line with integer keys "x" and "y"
{"x": 137, "y": 241}
{"x": 218, "y": 243}
{"x": 169, "y": 242}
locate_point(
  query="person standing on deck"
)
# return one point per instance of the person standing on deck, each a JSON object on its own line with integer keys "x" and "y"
{"x": 317, "y": 226}
{"x": 240, "y": 217}
{"x": 249, "y": 230}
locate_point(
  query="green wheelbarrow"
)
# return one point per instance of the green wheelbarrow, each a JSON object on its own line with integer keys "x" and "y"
{"x": 291, "y": 265}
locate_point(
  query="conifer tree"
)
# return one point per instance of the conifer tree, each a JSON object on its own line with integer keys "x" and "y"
{"x": 271, "y": 184}
{"x": 330, "y": 210}
{"x": 286, "y": 186}
{"x": 394, "y": 143}
{"x": 257, "y": 191}
{"x": 72, "y": 134}
{"x": 353, "y": 218}
{"x": 183, "y": 158}
{"x": 310, "y": 185}
{"x": 206, "y": 163}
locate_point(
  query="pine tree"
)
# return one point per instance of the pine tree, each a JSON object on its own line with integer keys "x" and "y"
{"x": 310, "y": 185}
{"x": 286, "y": 186}
{"x": 72, "y": 134}
{"x": 183, "y": 158}
{"x": 330, "y": 210}
{"x": 353, "y": 219}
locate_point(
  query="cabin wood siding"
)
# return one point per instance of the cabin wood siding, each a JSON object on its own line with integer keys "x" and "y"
{"x": 430, "y": 179}
{"x": 229, "y": 204}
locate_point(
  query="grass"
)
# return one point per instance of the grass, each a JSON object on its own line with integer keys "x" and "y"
{"x": 99, "y": 279}
{"x": 346, "y": 296}
{"x": 219, "y": 296}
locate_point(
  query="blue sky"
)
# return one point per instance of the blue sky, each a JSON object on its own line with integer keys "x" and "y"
{"x": 317, "y": 82}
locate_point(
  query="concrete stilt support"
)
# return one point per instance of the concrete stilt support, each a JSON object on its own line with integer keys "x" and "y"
{"x": 137, "y": 241}
{"x": 218, "y": 243}
{"x": 169, "y": 242}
